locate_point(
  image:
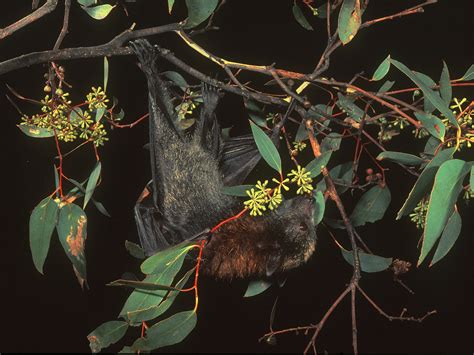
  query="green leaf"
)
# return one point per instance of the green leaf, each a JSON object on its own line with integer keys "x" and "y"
{"x": 471, "y": 178}
{"x": 42, "y": 222}
{"x": 35, "y": 132}
{"x": 399, "y": 157}
{"x": 371, "y": 206}
{"x": 92, "y": 183}
{"x": 430, "y": 94}
{"x": 427, "y": 104}
{"x": 176, "y": 78}
{"x": 386, "y": 86}
{"x": 257, "y": 287}
{"x": 169, "y": 331}
{"x": 162, "y": 260}
{"x": 319, "y": 207}
{"x": 56, "y": 180}
{"x": 349, "y": 107}
{"x": 382, "y": 69}
{"x": 342, "y": 176}
{"x": 153, "y": 312}
{"x": 98, "y": 12}
{"x": 199, "y": 11}
{"x": 469, "y": 74}
{"x": 142, "y": 301}
{"x": 140, "y": 285}
{"x": 106, "y": 334}
{"x": 432, "y": 124}
{"x": 445, "y": 192}
{"x": 256, "y": 113}
{"x": 448, "y": 238}
{"x": 266, "y": 147}
{"x": 349, "y": 20}
{"x": 431, "y": 145}
{"x": 135, "y": 250}
{"x": 368, "y": 262}
{"x": 298, "y": 14}
{"x": 106, "y": 73}
{"x": 170, "y": 6}
{"x": 424, "y": 182}
{"x": 72, "y": 232}
{"x": 99, "y": 113}
{"x": 316, "y": 111}
{"x": 445, "y": 88}
{"x": 239, "y": 190}
{"x": 87, "y": 2}
{"x": 315, "y": 165}
{"x": 332, "y": 142}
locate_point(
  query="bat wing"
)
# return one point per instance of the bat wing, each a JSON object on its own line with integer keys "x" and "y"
{"x": 239, "y": 157}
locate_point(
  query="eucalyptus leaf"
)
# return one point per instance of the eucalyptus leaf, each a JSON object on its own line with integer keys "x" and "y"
{"x": 445, "y": 192}
{"x": 319, "y": 207}
{"x": 386, "y": 86}
{"x": 469, "y": 74}
{"x": 36, "y": 132}
{"x": 382, "y": 69}
{"x": 159, "y": 262}
{"x": 315, "y": 165}
{"x": 257, "y": 287}
{"x": 332, "y": 142}
{"x": 425, "y": 180}
{"x": 349, "y": 20}
{"x": 72, "y": 232}
{"x": 299, "y": 16}
{"x": 167, "y": 332}
{"x": 199, "y": 11}
{"x": 266, "y": 147}
{"x": 176, "y": 78}
{"x": 349, "y": 107}
{"x": 153, "y": 312}
{"x": 98, "y": 12}
{"x": 399, "y": 157}
{"x": 448, "y": 238}
{"x": 368, "y": 262}
{"x": 106, "y": 73}
{"x": 92, "y": 183}
{"x": 106, "y": 334}
{"x": 432, "y": 124}
{"x": 135, "y": 250}
{"x": 42, "y": 223}
{"x": 428, "y": 92}
{"x": 445, "y": 88}
{"x": 372, "y": 206}
{"x": 239, "y": 190}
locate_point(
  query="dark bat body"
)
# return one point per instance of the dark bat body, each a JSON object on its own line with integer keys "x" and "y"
{"x": 185, "y": 195}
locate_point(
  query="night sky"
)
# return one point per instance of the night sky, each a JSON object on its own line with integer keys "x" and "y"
{"x": 52, "y": 313}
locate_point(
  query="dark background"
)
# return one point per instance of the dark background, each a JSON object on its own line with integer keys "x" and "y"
{"x": 51, "y": 313}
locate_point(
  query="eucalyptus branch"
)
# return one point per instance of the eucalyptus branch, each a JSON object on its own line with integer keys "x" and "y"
{"x": 48, "y": 7}
{"x": 64, "y": 29}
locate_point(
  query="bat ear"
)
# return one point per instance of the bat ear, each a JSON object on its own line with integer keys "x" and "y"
{"x": 274, "y": 262}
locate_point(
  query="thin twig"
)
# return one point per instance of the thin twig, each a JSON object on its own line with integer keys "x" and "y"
{"x": 64, "y": 29}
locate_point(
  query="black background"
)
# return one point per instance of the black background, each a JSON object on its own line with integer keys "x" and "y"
{"x": 51, "y": 313}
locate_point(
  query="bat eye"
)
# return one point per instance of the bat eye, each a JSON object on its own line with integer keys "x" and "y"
{"x": 303, "y": 227}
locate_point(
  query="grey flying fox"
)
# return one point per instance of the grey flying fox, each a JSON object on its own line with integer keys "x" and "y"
{"x": 185, "y": 197}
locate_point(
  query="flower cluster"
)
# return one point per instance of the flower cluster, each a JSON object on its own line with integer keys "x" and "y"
{"x": 262, "y": 197}
{"x": 67, "y": 121}
{"x": 419, "y": 214}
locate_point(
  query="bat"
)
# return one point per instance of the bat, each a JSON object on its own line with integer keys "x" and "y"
{"x": 185, "y": 198}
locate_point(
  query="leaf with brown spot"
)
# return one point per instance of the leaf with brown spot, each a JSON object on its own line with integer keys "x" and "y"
{"x": 72, "y": 232}
{"x": 349, "y": 21}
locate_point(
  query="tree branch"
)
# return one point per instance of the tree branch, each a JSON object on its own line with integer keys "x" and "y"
{"x": 48, "y": 7}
